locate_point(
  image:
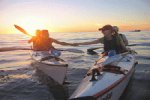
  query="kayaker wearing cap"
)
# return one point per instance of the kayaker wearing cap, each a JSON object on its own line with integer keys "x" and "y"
{"x": 116, "y": 30}
{"x": 111, "y": 42}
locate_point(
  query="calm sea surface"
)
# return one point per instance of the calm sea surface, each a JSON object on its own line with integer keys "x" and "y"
{"x": 18, "y": 79}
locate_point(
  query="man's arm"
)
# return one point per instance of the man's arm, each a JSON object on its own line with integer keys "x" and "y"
{"x": 100, "y": 40}
{"x": 31, "y": 40}
{"x": 63, "y": 43}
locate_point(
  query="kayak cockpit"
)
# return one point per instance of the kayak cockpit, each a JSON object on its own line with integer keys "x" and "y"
{"x": 108, "y": 68}
{"x": 114, "y": 64}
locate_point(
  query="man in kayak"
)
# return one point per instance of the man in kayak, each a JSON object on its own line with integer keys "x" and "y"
{"x": 116, "y": 29}
{"x": 110, "y": 41}
{"x": 42, "y": 42}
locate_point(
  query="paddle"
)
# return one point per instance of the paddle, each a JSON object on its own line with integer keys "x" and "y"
{"x": 25, "y": 32}
{"x": 3, "y": 49}
{"x": 72, "y": 50}
{"x": 22, "y": 30}
{"x": 91, "y": 49}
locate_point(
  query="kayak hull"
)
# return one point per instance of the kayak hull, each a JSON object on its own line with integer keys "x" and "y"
{"x": 108, "y": 85}
{"x": 54, "y": 68}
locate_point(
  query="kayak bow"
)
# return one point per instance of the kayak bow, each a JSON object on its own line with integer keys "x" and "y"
{"x": 53, "y": 67}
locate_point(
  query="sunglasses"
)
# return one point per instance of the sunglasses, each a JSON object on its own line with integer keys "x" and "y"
{"x": 105, "y": 30}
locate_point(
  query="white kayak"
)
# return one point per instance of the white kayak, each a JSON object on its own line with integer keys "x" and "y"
{"x": 51, "y": 66}
{"x": 107, "y": 79}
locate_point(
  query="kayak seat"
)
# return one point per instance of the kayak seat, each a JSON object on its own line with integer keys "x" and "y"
{"x": 58, "y": 59}
{"x": 46, "y": 58}
{"x": 51, "y": 57}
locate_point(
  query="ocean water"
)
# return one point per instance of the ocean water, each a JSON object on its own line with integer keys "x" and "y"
{"x": 19, "y": 81}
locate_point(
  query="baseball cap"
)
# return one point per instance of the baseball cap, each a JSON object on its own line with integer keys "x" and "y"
{"x": 106, "y": 27}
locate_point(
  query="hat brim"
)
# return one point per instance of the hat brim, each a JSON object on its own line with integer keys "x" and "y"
{"x": 100, "y": 29}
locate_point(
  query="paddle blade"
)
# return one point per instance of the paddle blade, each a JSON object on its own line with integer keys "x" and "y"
{"x": 3, "y": 49}
{"x": 74, "y": 50}
{"x": 21, "y": 30}
{"x": 91, "y": 49}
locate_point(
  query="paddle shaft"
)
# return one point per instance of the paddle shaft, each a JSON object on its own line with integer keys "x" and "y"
{"x": 102, "y": 47}
{"x": 12, "y": 48}
{"x": 3, "y": 49}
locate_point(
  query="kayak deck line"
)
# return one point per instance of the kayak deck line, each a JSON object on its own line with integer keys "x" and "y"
{"x": 106, "y": 68}
{"x": 113, "y": 85}
{"x": 45, "y": 58}
{"x": 52, "y": 65}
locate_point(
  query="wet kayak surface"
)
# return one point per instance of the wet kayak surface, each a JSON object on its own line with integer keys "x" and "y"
{"x": 19, "y": 79}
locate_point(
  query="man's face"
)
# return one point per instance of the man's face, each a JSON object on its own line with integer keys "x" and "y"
{"x": 106, "y": 32}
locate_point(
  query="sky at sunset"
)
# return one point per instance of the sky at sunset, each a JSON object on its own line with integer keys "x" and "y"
{"x": 73, "y": 15}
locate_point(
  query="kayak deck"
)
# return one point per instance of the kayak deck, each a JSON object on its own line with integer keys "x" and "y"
{"x": 107, "y": 83}
{"x": 53, "y": 67}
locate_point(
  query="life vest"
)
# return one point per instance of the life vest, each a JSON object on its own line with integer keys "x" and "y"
{"x": 112, "y": 45}
{"x": 124, "y": 39}
{"x": 121, "y": 35}
{"x": 41, "y": 44}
